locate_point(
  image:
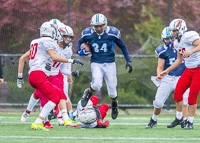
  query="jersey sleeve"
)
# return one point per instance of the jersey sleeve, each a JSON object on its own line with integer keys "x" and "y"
{"x": 160, "y": 52}
{"x": 49, "y": 44}
{"x": 192, "y": 36}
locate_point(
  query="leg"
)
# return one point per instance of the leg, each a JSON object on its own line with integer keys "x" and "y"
{"x": 185, "y": 103}
{"x": 96, "y": 84}
{"x": 111, "y": 82}
{"x": 103, "y": 110}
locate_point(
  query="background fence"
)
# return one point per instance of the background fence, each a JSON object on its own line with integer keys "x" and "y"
{"x": 140, "y": 23}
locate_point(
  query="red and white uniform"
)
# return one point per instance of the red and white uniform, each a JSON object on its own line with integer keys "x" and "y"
{"x": 191, "y": 75}
{"x": 37, "y": 62}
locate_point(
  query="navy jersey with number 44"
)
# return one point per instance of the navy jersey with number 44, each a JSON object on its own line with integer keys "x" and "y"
{"x": 169, "y": 55}
{"x": 102, "y": 47}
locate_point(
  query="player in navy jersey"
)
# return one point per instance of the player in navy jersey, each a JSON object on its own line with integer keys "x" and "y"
{"x": 101, "y": 39}
{"x": 167, "y": 55}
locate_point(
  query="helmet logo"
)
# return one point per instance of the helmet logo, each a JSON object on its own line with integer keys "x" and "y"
{"x": 178, "y": 24}
{"x": 62, "y": 30}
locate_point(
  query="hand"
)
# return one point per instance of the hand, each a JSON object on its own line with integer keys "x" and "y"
{"x": 19, "y": 82}
{"x": 75, "y": 73}
{"x": 158, "y": 78}
{"x": 162, "y": 74}
{"x": 128, "y": 64}
{"x": 1, "y": 80}
{"x": 69, "y": 79}
{"x": 77, "y": 61}
{"x": 82, "y": 52}
{"x": 71, "y": 116}
{"x": 186, "y": 54}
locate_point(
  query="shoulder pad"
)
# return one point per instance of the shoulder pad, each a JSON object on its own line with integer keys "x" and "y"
{"x": 160, "y": 51}
{"x": 191, "y": 36}
{"x": 112, "y": 31}
{"x": 87, "y": 31}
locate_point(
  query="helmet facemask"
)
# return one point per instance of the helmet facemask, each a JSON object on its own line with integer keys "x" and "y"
{"x": 97, "y": 20}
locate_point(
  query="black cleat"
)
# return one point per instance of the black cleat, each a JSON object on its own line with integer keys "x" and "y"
{"x": 51, "y": 115}
{"x": 151, "y": 124}
{"x": 188, "y": 126}
{"x": 114, "y": 106}
{"x": 177, "y": 122}
{"x": 85, "y": 98}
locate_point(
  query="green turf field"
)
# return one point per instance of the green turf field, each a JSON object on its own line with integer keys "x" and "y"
{"x": 123, "y": 129}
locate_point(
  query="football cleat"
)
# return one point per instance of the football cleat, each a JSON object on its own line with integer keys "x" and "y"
{"x": 85, "y": 98}
{"x": 177, "y": 122}
{"x": 60, "y": 122}
{"x": 38, "y": 126}
{"x": 52, "y": 115}
{"x": 151, "y": 124}
{"x": 48, "y": 125}
{"x": 188, "y": 126}
{"x": 25, "y": 116}
{"x": 114, "y": 107}
{"x": 71, "y": 123}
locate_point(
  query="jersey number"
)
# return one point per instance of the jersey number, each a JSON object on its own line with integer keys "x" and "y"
{"x": 96, "y": 47}
{"x": 181, "y": 51}
{"x": 33, "y": 51}
{"x": 171, "y": 61}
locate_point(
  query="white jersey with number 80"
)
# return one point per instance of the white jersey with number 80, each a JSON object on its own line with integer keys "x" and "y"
{"x": 38, "y": 53}
{"x": 185, "y": 44}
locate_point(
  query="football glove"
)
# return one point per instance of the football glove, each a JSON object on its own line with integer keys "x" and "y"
{"x": 75, "y": 74}
{"x": 82, "y": 53}
{"x": 128, "y": 65}
{"x": 19, "y": 82}
{"x": 77, "y": 61}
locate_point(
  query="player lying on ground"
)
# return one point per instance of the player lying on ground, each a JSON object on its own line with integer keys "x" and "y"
{"x": 167, "y": 55}
{"x": 92, "y": 116}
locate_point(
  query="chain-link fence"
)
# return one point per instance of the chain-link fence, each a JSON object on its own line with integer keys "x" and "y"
{"x": 138, "y": 20}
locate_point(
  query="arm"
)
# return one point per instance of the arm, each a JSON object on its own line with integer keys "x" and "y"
{"x": 178, "y": 61}
{"x": 57, "y": 58}
{"x": 1, "y": 73}
{"x": 80, "y": 41}
{"x": 197, "y": 49}
{"x": 160, "y": 67}
{"x": 22, "y": 60}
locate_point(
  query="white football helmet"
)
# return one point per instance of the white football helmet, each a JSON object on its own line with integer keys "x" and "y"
{"x": 64, "y": 30}
{"x": 48, "y": 30}
{"x": 180, "y": 25}
{"x": 55, "y": 22}
{"x": 99, "y": 19}
{"x": 87, "y": 116}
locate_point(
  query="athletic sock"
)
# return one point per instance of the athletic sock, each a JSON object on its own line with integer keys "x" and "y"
{"x": 179, "y": 115}
{"x": 154, "y": 117}
{"x": 32, "y": 103}
{"x": 190, "y": 119}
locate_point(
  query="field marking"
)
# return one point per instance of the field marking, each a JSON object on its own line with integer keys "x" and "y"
{"x": 95, "y": 138}
{"x": 131, "y": 118}
{"x": 54, "y": 123}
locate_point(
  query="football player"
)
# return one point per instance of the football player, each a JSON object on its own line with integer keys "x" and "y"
{"x": 167, "y": 55}
{"x": 101, "y": 39}
{"x": 188, "y": 46}
{"x": 100, "y": 112}
{"x": 40, "y": 76}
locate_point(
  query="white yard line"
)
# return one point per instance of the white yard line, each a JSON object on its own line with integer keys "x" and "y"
{"x": 95, "y": 138}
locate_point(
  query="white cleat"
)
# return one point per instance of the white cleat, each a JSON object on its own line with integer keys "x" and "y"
{"x": 24, "y": 116}
{"x": 60, "y": 122}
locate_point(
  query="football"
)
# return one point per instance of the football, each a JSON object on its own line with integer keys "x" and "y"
{"x": 87, "y": 47}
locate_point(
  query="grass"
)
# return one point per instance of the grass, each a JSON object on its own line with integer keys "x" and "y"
{"x": 123, "y": 129}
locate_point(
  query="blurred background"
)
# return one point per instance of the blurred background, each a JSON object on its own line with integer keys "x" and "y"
{"x": 140, "y": 23}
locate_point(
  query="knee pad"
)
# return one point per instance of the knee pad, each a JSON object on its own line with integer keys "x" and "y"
{"x": 158, "y": 104}
{"x": 113, "y": 95}
{"x": 94, "y": 100}
{"x": 54, "y": 98}
{"x": 95, "y": 86}
{"x": 192, "y": 100}
{"x": 178, "y": 97}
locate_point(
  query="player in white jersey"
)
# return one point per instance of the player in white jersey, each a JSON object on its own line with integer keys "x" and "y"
{"x": 188, "y": 47}
{"x": 167, "y": 55}
{"x": 41, "y": 50}
{"x": 100, "y": 112}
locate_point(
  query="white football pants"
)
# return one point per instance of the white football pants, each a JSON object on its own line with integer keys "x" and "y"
{"x": 167, "y": 85}
{"x": 108, "y": 71}
{"x": 66, "y": 87}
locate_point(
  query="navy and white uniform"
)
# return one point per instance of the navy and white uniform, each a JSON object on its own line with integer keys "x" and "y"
{"x": 103, "y": 57}
{"x": 168, "y": 83}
